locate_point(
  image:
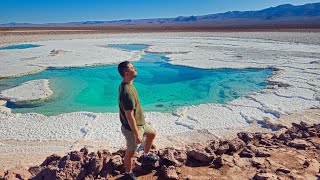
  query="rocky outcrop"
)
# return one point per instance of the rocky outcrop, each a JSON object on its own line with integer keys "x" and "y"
{"x": 290, "y": 153}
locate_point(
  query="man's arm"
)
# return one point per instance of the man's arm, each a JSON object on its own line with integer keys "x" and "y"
{"x": 133, "y": 126}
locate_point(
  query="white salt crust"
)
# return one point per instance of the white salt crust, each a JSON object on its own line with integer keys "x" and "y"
{"x": 295, "y": 86}
{"x": 28, "y": 91}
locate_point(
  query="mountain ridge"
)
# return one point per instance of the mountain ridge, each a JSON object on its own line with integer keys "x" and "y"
{"x": 306, "y": 13}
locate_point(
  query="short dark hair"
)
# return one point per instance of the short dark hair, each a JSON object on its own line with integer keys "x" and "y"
{"x": 122, "y": 67}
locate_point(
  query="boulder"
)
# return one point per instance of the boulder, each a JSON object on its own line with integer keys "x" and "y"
{"x": 283, "y": 170}
{"x": 248, "y": 151}
{"x": 265, "y": 142}
{"x": 75, "y": 156}
{"x": 235, "y": 145}
{"x": 224, "y": 147}
{"x": 253, "y": 151}
{"x": 169, "y": 172}
{"x": 261, "y": 152}
{"x": 71, "y": 170}
{"x": 201, "y": 156}
{"x": 53, "y": 159}
{"x": 85, "y": 151}
{"x": 96, "y": 164}
{"x": 115, "y": 162}
{"x": 265, "y": 176}
{"x": 50, "y": 173}
{"x": 245, "y": 136}
{"x": 302, "y": 126}
{"x": 218, "y": 162}
{"x": 299, "y": 144}
{"x": 285, "y": 137}
{"x": 35, "y": 170}
{"x": 171, "y": 156}
{"x": 212, "y": 146}
{"x": 257, "y": 162}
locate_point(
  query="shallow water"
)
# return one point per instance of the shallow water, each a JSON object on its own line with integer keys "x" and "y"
{"x": 19, "y": 46}
{"x": 161, "y": 86}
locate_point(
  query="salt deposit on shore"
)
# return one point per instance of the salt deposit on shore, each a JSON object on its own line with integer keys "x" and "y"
{"x": 28, "y": 91}
{"x": 294, "y": 88}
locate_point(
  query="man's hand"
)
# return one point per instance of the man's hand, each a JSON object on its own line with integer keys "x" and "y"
{"x": 133, "y": 126}
{"x": 138, "y": 139}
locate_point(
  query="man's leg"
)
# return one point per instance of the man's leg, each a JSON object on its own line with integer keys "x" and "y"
{"x": 128, "y": 161}
{"x": 150, "y": 134}
{"x": 149, "y": 140}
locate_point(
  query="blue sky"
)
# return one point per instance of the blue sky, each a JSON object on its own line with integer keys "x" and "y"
{"x": 48, "y": 11}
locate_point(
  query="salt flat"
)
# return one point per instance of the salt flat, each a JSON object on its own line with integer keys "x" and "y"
{"x": 294, "y": 86}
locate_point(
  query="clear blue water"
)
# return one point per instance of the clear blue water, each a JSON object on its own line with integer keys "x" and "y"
{"x": 161, "y": 86}
{"x": 130, "y": 47}
{"x": 20, "y": 46}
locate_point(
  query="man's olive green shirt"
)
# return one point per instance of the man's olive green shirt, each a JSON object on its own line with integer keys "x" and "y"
{"x": 129, "y": 100}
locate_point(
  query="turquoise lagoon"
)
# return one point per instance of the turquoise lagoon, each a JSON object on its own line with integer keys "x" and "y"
{"x": 161, "y": 86}
{"x": 19, "y": 46}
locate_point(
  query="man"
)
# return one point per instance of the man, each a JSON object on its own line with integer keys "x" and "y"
{"x": 132, "y": 119}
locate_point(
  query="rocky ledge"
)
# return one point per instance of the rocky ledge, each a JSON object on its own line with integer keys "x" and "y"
{"x": 289, "y": 153}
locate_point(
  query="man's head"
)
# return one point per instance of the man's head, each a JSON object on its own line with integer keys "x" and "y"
{"x": 127, "y": 70}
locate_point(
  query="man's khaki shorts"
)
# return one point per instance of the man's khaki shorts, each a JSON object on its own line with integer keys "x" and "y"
{"x": 142, "y": 130}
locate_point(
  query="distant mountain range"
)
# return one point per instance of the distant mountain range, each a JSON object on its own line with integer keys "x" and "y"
{"x": 307, "y": 15}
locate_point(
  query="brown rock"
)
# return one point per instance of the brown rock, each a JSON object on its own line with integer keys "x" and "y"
{"x": 201, "y": 156}
{"x": 313, "y": 166}
{"x": 279, "y": 132}
{"x": 235, "y": 145}
{"x": 174, "y": 157}
{"x": 261, "y": 152}
{"x": 248, "y": 151}
{"x": 257, "y": 162}
{"x": 71, "y": 170}
{"x": 315, "y": 143}
{"x": 295, "y": 135}
{"x": 104, "y": 154}
{"x": 305, "y": 134}
{"x": 265, "y": 176}
{"x": 212, "y": 146}
{"x": 75, "y": 156}
{"x": 17, "y": 173}
{"x": 35, "y": 170}
{"x": 284, "y": 170}
{"x": 115, "y": 162}
{"x": 218, "y": 162}
{"x": 265, "y": 142}
{"x": 312, "y": 133}
{"x": 49, "y": 173}
{"x": 302, "y": 126}
{"x": 224, "y": 147}
{"x": 299, "y": 144}
{"x": 252, "y": 151}
{"x": 2, "y": 172}
{"x": 245, "y": 136}
{"x": 285, "y": 137}
{"x": 85, "y": 151}
{"x": 241, "y": 162}
{"x": 51, "y": 160}
{"x": 96, "y": 164}
{"x": 289, "y": 131}
{"x": 169, "y": 172}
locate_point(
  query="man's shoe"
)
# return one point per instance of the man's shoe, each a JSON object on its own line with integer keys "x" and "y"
{"x": 149, "y": 159}
{"x": 129, "y": 176}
